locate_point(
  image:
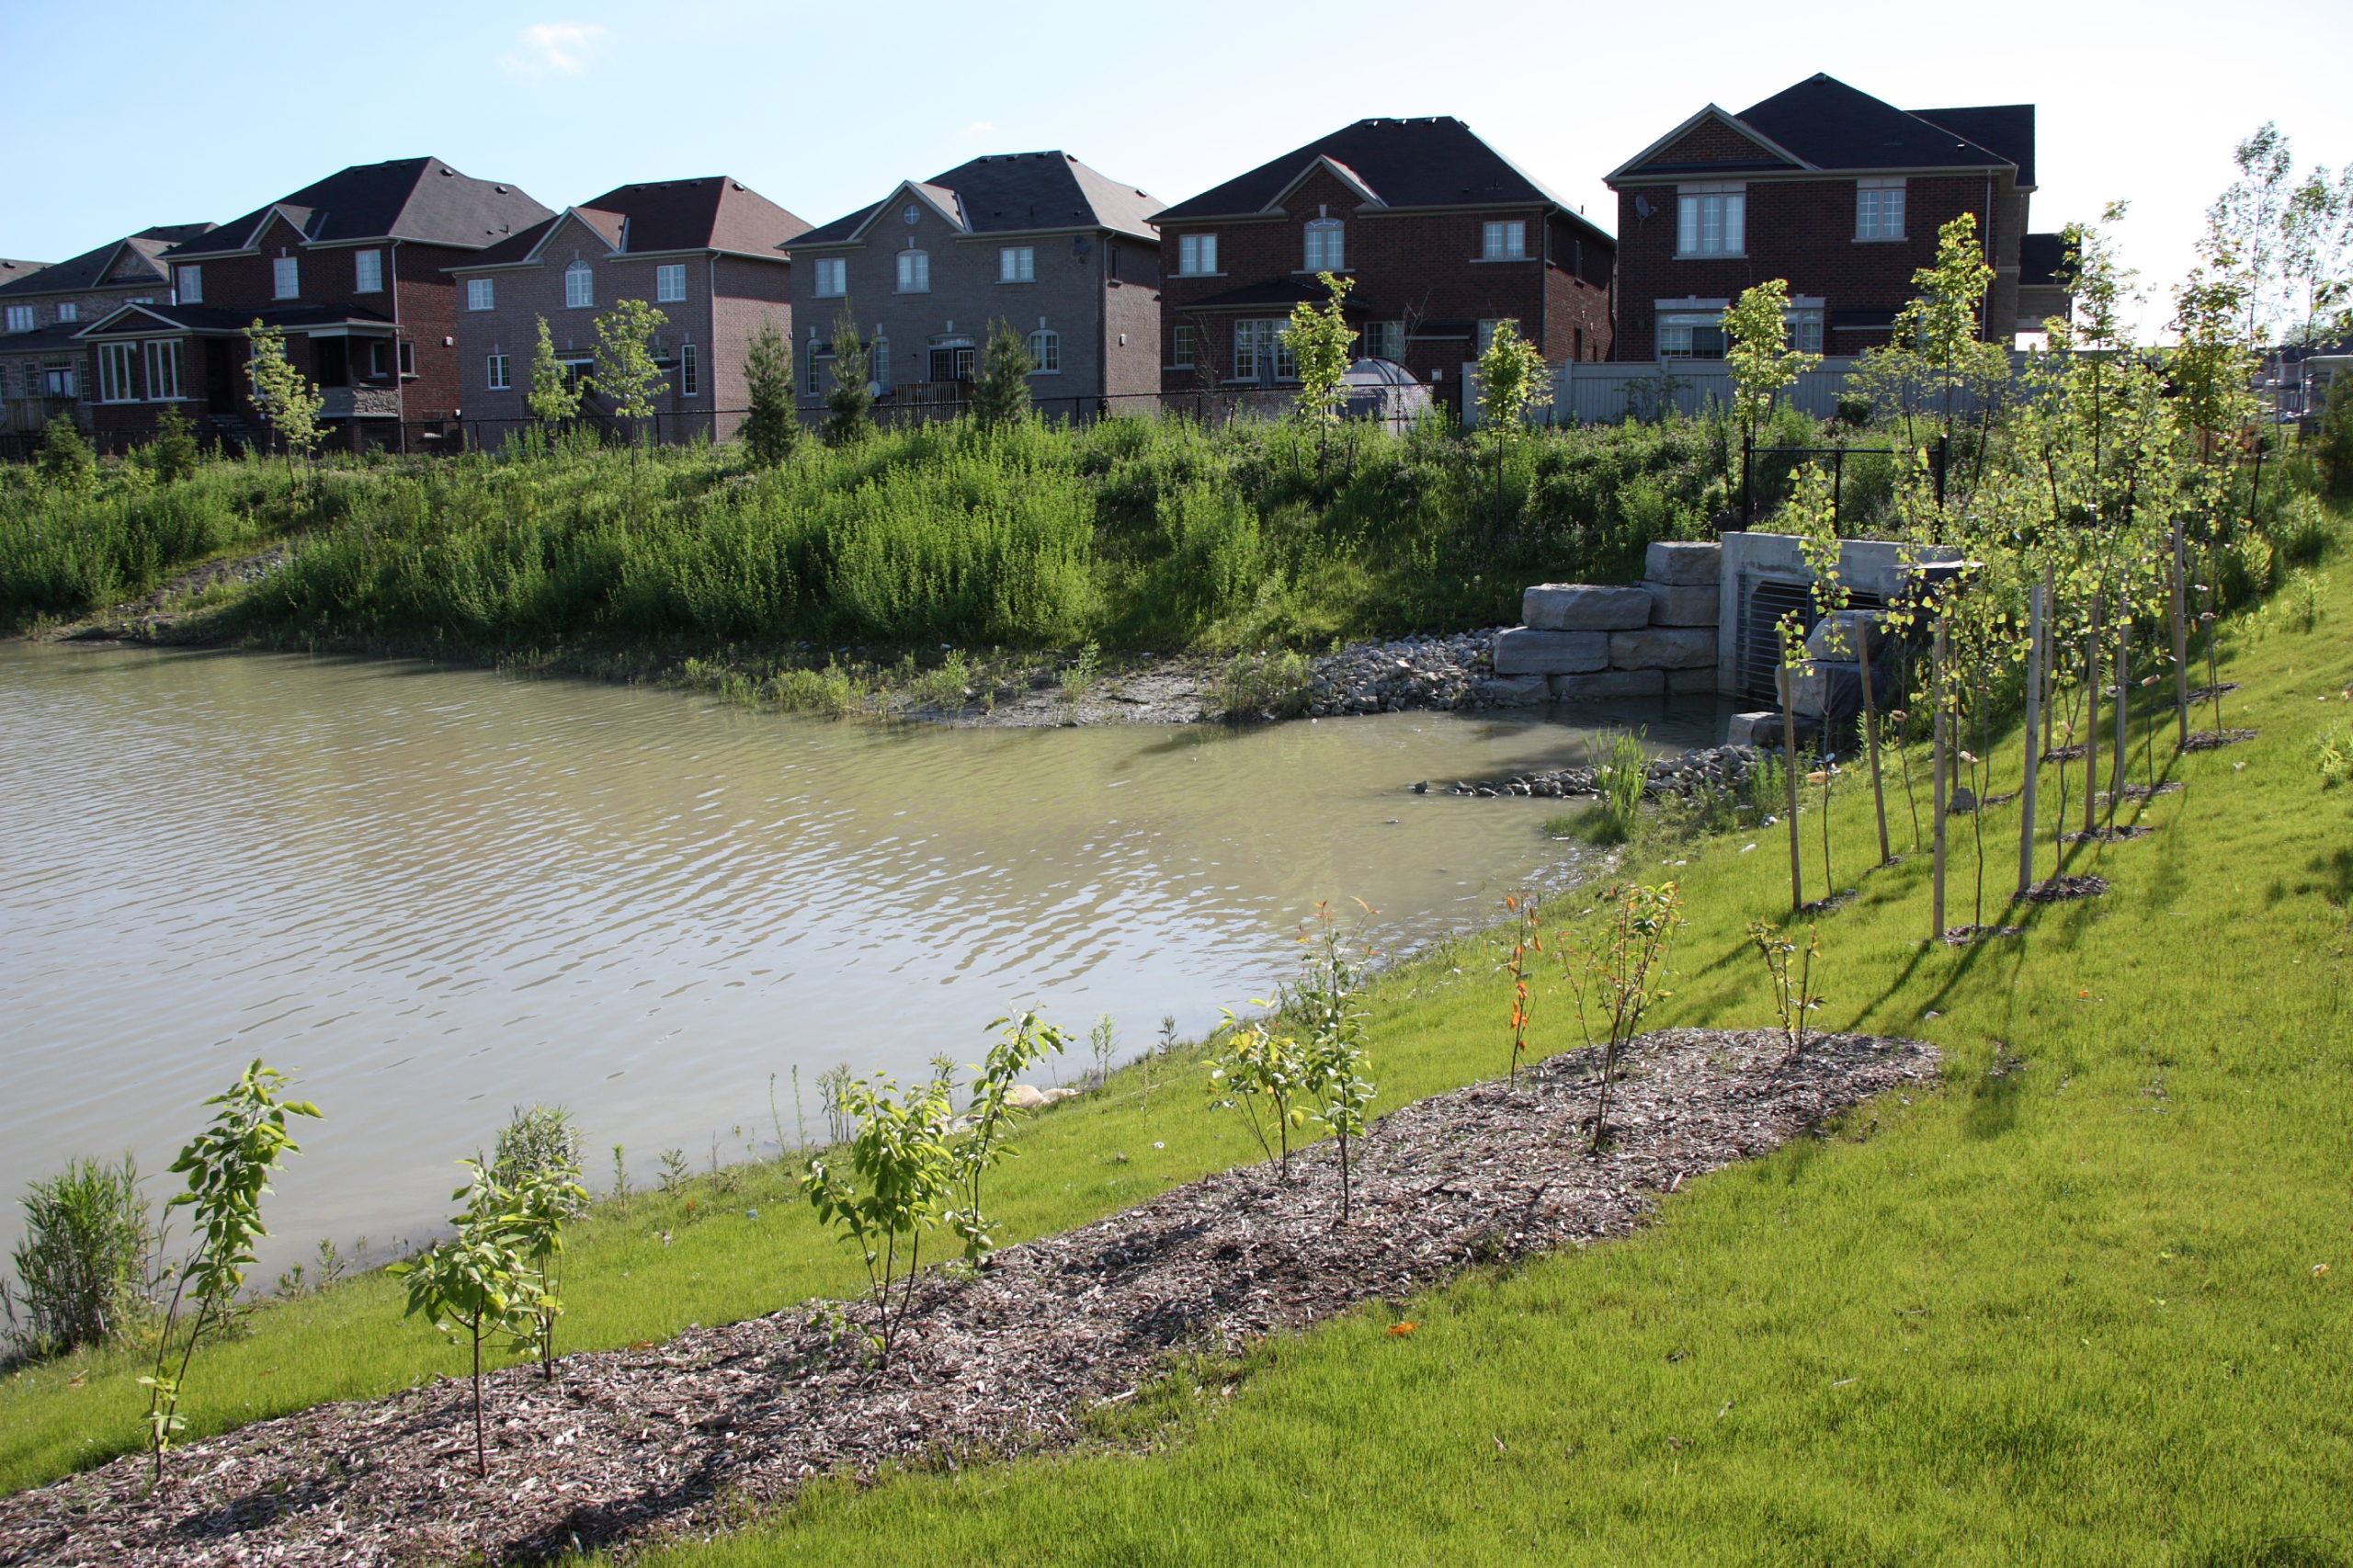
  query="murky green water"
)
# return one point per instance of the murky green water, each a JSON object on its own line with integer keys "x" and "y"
{"x": 439, "y": 894}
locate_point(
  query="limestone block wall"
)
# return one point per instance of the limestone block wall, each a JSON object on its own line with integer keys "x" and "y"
{"x": 1585, "y": 642}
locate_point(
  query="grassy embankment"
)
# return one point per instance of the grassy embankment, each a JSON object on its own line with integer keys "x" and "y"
{"x": 1132, "y": 534}
{"x": 2064, "y": 1311}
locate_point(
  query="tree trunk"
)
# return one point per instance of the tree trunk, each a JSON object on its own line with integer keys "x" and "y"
{"x": 482, "y": 1451}
{"x": 1789, "y": 779}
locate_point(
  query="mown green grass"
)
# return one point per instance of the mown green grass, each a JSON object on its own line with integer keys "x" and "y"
{"x": 2066, "y": 1313}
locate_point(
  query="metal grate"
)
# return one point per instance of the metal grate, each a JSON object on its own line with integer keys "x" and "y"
{"x": 1761, "y": 609}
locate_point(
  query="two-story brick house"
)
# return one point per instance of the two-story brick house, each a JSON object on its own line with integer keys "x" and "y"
{"x": 1830, "y": 188}
{"x": 44, "y": 308}
{"x": 710, "y": 254}
{"x": 353, "y": 269}
{"x": 1441, "y": 235}
{"x": 1064, "y": 255}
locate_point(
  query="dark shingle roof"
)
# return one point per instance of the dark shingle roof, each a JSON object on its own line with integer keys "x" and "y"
{"x": 129, "y": 261}
{"x": 1406, "y": 162}
{"x": 53, "y": 338}
{"x": 1834, "y": 126}
{"x": 221, "y": 318}
{"x": 712, "y": 213}
{"x": 407, "y": 198}
{"x": 18, "y": 271}
{"x": 1008, "y": 192}
{"x": 2006, "y": 131}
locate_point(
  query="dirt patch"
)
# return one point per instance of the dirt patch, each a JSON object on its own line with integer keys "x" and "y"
{"x": 1964, "y": 936}
{"x": 2215, "y": 740}
{"x": 2208, "y": 693}
{"x": 2146, "y": 791}
{"x": 2060, "y": 890}
{"x": 680, "y": 1436}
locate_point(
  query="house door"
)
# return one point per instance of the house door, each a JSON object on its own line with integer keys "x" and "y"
{"x": 220, "y": 374}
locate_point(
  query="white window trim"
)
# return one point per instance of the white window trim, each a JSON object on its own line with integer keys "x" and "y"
{"x": 1198, "y": 242}
{"x": 1032, "y": 344}
{"x": 580, "y": 269}
{"x": 912, "y": 262}
{"x": 359, "y": 281}
{"x": 1488, "y": 224}
{"x": 1903, "y": 209}
{"x": 499, "y": 373}
{"x": 833, "y": 269}
{"x": 188, "y": 273}
{"x": 1700, "y": 191}
{"x": 689, "y": 370}
{"x": 23, "y": 318}
{"x": 1017, "y": 264}
{"x": 1329, "y": 226}
{"x": 118, "y": 371}
{"x": 663, "y": 273}
{"x": 283, "y": 269}
{"x": 68, "y": 311}
{"x": 481, "y": 293}
{"x": 1178, "y": 333}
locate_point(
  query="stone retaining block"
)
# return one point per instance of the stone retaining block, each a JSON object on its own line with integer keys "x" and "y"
{"x": 1536, "y": 651}
{"x": 1584, "y": 606}
{"x": 1663, "y": 648}
{"x": 1605, "y": 685}
{"x": 1675, "y": 604}
{"x": 1684, "y": 564}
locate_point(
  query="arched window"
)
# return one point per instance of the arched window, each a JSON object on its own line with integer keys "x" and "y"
{"x": 812, "y": 384}
{"x": 1046, "y": 348}
{"x": 1325, "y": 252}
{"x": 915, "y": 272}
{"x": 579, "y": 286}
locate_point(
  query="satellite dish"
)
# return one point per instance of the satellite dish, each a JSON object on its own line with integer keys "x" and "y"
{"x": 1080, "y": 244}
{"x": 1642, "y": 208}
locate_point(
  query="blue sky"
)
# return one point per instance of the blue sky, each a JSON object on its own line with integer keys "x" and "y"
{"x": 140, "y": 112}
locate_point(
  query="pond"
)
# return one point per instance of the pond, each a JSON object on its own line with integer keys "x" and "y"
{"x": 436, "y": 893}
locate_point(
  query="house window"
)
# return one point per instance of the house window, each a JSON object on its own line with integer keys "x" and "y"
{"x": 1487, "y": 330}
{"x": 1690, "y": 335}
{"x": 408, "y": 358}
{"x": 953, "y": 362}
{"x": 833, "y": 277}
{"x": 20, "y": 318}
{"x": 670, "y": 282}
{"x": 59, "y": 380}
{"x": 1325, "y": 251}
{"x": 68, "y": 310}
{"x": 1261, "y": 353}
{"x": 1879, "y": 210}
{"x": 579, "y": 287}
{"x": 368, "y": 271}
{"x": 1196, "y": 255}
{"x": 286, "y": 278}
{"x": 1712, "y": 223}
{"x": 118, "y": 371}
{"x": 1805, "y": 328}
{"x": 1504, "y": 242}
{"x": 812, "y": 382}
{"x": 163, "y": 370}
{"x": 1017, "y": 264}
{"x": 501, "y": 369}
{"x": 192, "y": 285}
{"x": 689, "y": 371}
{"x": 1384, "y": 340}
{"x": 481, "y": 293}
{"x": 1185, "y": 349}
{"x": 915, "y": 272}
{"x": 1046, "y": 348}
{"x": 878, "y": 361}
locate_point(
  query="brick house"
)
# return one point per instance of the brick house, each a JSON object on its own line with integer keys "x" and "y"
{"x": 1064, "y": 254}
{"x": 354, "y": 269}
{"x": 42, "y": 310}
{"x": 1827, "y": 186}
{"x": 1442, "y": 236}
{"x": 710, "y": 254}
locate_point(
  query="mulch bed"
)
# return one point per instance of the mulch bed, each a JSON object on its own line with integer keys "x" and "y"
{"x": 2108, "y": 834}
{"x": 2065, "y": 753}
{"x": 2215, "y": 740}
{"x": 1830, "y": 903}
{"x": 2208, "y": 693}
{"x": 684, "y": 1436}
{"x": 1963, "y": 936}
{"x": 2146, "y": 791}
{"x": 2058, "y": 890}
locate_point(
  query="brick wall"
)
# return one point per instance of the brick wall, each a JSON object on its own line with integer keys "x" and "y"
{"x": 1804, "y": 232}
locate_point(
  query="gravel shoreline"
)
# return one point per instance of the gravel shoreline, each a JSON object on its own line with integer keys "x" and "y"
{"x": 679, "y": 1438}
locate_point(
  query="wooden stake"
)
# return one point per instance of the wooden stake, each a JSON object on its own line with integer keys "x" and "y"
{"x": 2180, "y": 639}
{"x": 1871, "y": 736}
{"x": 2034, "y": 661}
{"x": 2117, "y": 759}
{"x": 2091, "y": 720}
{"x": 1937, "y": 902}
{"x": 1790, "y": 773}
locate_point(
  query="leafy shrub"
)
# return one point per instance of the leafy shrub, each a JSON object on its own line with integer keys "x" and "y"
{"x": 2333, "y": 756}
{"x": 85, "y": 1265}
{"x": 1262, "y": 686}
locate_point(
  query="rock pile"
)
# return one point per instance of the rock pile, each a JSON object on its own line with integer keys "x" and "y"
{"x": 1709, "y": 767}
{"x": 1415, "y": 673}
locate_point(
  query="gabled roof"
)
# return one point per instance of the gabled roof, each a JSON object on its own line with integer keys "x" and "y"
{"x": 714, "y": 213}
{"x": 18, "y": 271}
{"x": 1823, "y": 124}
{"x": 130, "y": 261}
{"x": 1438, "y": 161}
{"x": 129, "y": 318}
{"x": 407, "y": 198}
{"x": 1011, "y": 193}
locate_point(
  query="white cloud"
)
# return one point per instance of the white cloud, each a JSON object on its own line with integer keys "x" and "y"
{"x": 977, "y": 128}
{"x": 552, "y": 49}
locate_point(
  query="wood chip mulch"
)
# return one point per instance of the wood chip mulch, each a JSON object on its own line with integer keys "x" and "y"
{"x": 1963, "y": 936}
{"x": 684, "y": 1437}
{"x": 2110, "y": 835}
{"x": 2058, "y": 890}
{"x": 2208, "y": 693}
{"x": 2215, "y": 740}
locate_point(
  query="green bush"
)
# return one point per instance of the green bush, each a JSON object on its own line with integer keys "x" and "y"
{"x": 83, "y": 1267}
{"x": 2333, "y": 446}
